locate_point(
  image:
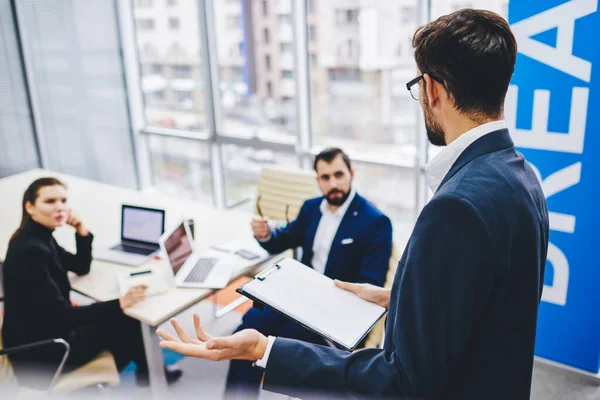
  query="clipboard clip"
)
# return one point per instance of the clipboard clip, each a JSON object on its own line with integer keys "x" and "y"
{"x": 266, "y": 273}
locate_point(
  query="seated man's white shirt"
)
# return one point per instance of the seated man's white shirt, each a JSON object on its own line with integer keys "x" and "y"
{"x": 328, "y": 227}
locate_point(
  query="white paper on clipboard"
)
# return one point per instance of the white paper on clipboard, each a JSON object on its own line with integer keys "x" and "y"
{"x": 313, "y": 300}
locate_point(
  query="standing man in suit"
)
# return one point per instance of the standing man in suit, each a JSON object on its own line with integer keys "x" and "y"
{"x": 342, "y": 235}
{"x": 463, "y": 307}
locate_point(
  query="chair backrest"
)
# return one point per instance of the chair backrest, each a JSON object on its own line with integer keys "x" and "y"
{"x": 375, "y": 337}
{"x": 7, "y": 375}
{"x": 280, "y": 188}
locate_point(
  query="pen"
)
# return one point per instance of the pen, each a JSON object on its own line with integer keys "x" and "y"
{"x": 260, "y": 213}
{"x": 140, "y": 273}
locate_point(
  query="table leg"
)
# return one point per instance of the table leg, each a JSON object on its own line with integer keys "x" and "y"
{"x": 156, "y": 364}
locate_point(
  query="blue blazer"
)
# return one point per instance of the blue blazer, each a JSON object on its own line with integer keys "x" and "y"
{"x": 463, "y": 307}
{"x": 361, "y": 248}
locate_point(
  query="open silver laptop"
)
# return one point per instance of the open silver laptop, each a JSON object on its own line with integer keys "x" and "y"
{"x": 141, "y": 229}
{"x": 208, "y": 268}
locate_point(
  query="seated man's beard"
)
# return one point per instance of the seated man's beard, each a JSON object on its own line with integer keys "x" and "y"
{"x": 435, "y": 133}
{"x": 337, "y": 201}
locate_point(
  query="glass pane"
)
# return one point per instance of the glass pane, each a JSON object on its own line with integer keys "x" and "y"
{"x": 392, "y": 190}
{"x": 256, "y": 68}
{"x": 442, "y": 7}
{"x": 242, "y": 167}
{"x": 360, "y": 60}
{"x": 180, "y": 167}
{"x": 17, "y": 143}
{"x": 80, "y": 91}
{"x": 168, "y": 39}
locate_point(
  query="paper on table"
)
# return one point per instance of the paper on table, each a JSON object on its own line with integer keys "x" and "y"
{"x": 313, "y": 300}
{"x": 250, "y": 245}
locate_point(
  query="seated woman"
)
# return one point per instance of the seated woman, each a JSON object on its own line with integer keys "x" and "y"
{"x": 36, "y": 296}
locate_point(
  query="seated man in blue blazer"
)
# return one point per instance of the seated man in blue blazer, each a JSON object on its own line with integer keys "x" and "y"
{"x": 341, "y": 234}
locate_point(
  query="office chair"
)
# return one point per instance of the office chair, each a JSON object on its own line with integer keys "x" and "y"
{"x": 282, "y": 191}
{"x": 101, "y": 371}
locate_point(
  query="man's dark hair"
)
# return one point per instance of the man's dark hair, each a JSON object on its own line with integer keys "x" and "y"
{"x": 472, "y": 54}
{"x": 329, "y": 154}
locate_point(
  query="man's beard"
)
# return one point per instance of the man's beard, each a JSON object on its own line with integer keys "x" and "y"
{"x": 338, "y": 201}
{"x": 435, "y": 133}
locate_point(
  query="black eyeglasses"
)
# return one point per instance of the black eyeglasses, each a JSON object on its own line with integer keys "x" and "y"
{"x": 413, "y": 88}
{"x": 260, "y": 213}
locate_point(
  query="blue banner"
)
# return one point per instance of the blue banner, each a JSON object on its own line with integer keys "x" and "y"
{"x": 553, "y": 112}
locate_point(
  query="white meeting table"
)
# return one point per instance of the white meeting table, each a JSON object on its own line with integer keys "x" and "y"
{"x": 99, "y": 206}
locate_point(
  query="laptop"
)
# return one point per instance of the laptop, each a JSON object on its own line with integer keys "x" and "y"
{"x": 141, "y": 229}
{"x": 208, "y": 268}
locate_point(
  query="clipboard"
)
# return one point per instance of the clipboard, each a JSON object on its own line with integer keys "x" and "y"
{"x": 302, "y": 294}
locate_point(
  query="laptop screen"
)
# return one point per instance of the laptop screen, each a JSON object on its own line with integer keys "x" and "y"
{"x": 178, "y": 247}
{"x": 142, "y": 224}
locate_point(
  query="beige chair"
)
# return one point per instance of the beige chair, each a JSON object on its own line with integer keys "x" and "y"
{"x": 375, "y": 337}
{"x": 282, "y": 191}
{"x": 102, "y": 370}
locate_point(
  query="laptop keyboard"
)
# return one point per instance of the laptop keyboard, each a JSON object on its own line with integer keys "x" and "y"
{"x": 133, "y": 249}
{"x": 201, "y": 270}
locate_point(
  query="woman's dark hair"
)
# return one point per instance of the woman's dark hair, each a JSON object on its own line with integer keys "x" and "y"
{"x": 31, "y": 195}
{"x": 472, "y": 53}
{"x": 329, "y": 154}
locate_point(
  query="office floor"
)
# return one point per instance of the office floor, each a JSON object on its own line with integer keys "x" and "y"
{"x": 206, "y": 379}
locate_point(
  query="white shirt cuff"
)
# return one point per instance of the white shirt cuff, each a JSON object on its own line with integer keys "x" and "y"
{"x": 262, "y": 363}
{"x": 263, "y": 240}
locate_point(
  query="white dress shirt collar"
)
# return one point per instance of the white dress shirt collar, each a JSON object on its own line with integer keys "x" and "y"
{"x": 341, "y": 211}
{"x": 440, "y": 165}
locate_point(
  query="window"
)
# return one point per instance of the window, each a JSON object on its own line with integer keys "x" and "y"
{"x": 234, "y": 22}
{"x": 285, "y": 20}
{"x": 348, "y": 50}
{"x": 145, "y": 24}
{"x": 408, "y": 15}
{"x": 285, "y": 48}
{"x": 346, "y": 17}
{"x": 265, "y": 8}
{"x": 312, "y": 34}
{"x": 241, "y": 167}
{"x": 287, "y": 74}
{"x": 249, "y": 87}
{"x": 143, "y": 3}
{"x": 184, "y": 98}
{"x": 460, "y": 6}
{"x": 504, "y": 11}
{"x": 174, "y": 24}
{"x": 182, "y": 71}
{"x": 310, "y": 6}
{"x": 345, "y": 74}
{"x": 180, "y": 168}
{"x": 365, "y": 110}
{"x": 176, "y": 66}
{"x": 269, "y": 89}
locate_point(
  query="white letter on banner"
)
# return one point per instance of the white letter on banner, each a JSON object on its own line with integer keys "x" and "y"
{"x": 553, "y": 184}
{"x": 557, "y": 293}
{"x": 563, "y": 18}
{"x": 539, "y": 137}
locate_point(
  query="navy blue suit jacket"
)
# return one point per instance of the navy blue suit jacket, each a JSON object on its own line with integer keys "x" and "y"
{"x": 463, "y": 307}
{"x": 366, "y": 259}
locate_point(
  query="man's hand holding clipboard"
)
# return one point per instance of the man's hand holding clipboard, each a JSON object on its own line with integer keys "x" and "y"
{"x": 249, "y": 344}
